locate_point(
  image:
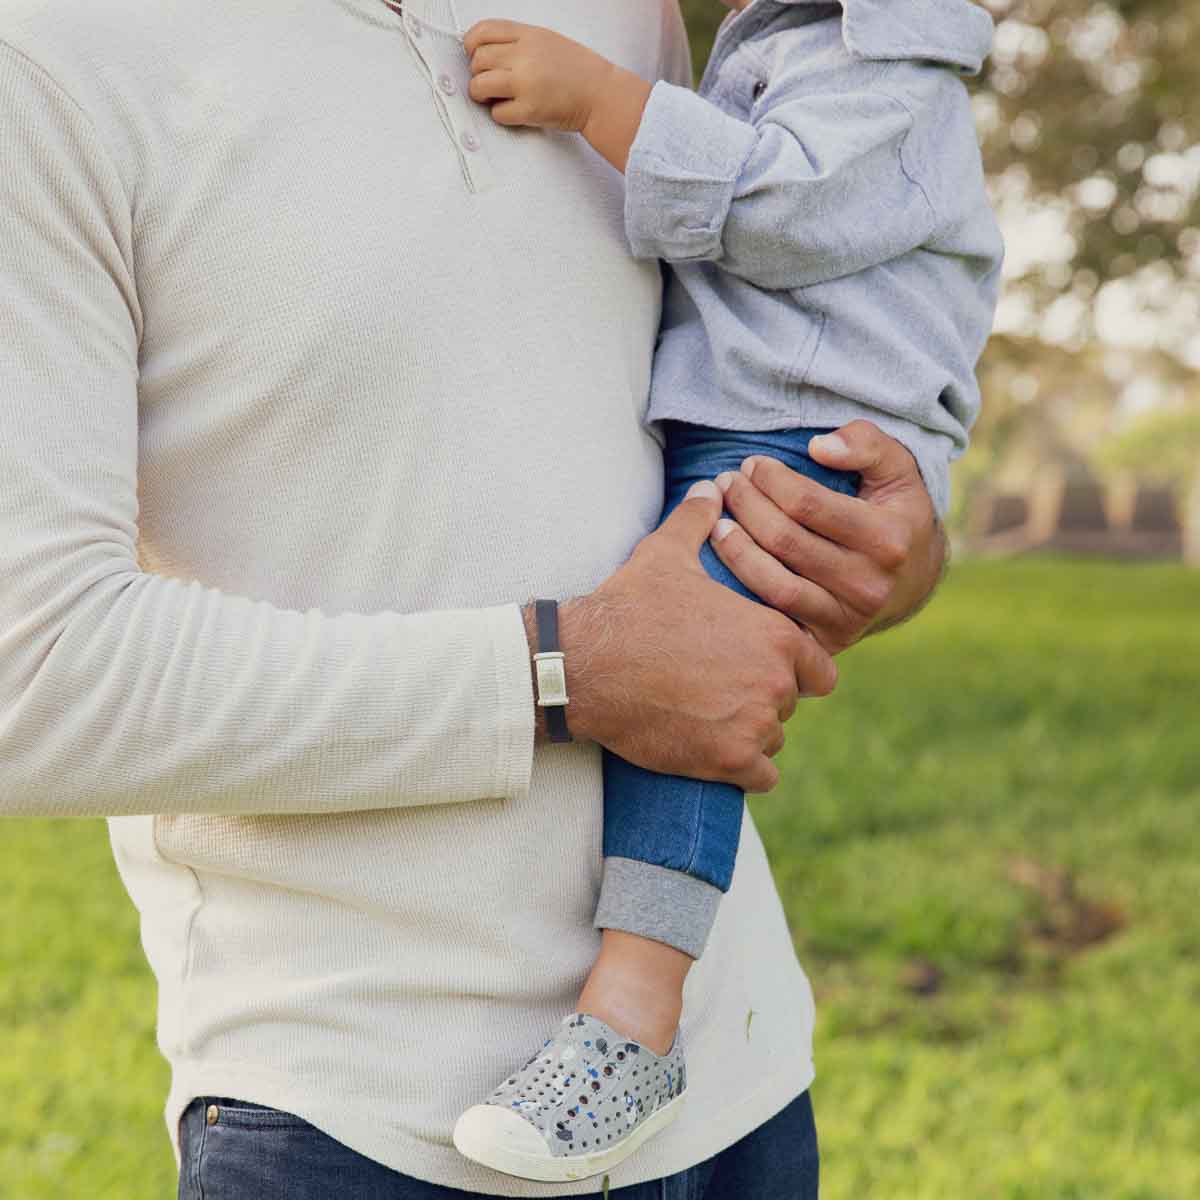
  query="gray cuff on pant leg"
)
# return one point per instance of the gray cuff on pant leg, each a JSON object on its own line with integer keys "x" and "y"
{"x": 658, "y": 903}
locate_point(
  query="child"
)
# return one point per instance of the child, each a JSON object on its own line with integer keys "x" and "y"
{"x": 833, "y": 256}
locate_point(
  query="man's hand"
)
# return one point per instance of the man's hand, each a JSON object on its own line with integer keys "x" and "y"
{"x": 842, "y": 566}
{"x": 680, "y": 674}
{"x": 534, "y": 76}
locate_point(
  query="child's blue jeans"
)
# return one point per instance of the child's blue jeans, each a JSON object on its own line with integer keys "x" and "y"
{"x": 670, "y": 843}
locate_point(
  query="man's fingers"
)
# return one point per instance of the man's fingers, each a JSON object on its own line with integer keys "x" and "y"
{"x": 816, "y": 672}
{"x": 791, "y": 541}
{"x": 693, "y": 520}
{"x": 491, "y": 85}
{"x": 841, "y": 518}
{"x": 775, "y": 584}
{"x": 490, "y": 31}
{"x": 863, "y": 447}
{"x": 882, "y": 535}
{"x": 760, "y": 779}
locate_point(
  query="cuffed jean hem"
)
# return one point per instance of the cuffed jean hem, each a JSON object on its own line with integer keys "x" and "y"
{"x": 656, "y": 902}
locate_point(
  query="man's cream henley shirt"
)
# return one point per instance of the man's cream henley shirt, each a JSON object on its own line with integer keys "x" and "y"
{"x": 309, "y": 375}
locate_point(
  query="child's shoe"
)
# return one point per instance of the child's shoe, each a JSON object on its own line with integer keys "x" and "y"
{"x": 584, "y": 1103}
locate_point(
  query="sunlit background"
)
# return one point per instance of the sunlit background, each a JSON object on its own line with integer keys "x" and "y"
{"x": 988, "y": 841}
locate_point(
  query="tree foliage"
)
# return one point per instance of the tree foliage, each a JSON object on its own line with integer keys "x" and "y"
{"x": 1089, "y": 110}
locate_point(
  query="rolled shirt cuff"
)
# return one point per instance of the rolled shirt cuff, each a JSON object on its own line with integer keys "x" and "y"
{"x": 657, "y": 903}
{"x": 681, "y": 176}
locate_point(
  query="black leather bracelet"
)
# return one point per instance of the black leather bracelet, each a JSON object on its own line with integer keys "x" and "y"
{"x": 550, "y": 666}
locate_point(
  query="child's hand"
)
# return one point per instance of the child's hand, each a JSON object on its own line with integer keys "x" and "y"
{"x": 533, "y": 76}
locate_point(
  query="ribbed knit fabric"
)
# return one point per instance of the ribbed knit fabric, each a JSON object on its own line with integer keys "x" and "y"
{"x": 308, "y": 375}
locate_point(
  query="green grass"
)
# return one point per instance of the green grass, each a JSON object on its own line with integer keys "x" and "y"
{"x": 1039, "y": 713}
{"x": 979, "y": 1037}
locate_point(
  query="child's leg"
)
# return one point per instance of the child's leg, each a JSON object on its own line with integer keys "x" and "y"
{"x": 670, "y": 843}
{"x": 615, "y": 1073}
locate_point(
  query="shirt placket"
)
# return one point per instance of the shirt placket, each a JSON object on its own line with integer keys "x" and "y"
{"x": 431, "y": 27}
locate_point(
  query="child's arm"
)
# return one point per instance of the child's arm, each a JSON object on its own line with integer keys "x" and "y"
{"x": 812, "y": 188}
{"x": 533, "y": 76}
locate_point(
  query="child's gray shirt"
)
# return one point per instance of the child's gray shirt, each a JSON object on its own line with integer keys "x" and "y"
{"x": 821, "y": 203}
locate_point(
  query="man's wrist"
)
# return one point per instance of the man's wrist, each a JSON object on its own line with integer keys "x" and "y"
{"x": 585, "y": 628}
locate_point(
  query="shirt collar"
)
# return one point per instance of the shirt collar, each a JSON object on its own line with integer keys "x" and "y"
{"x": 956, "y": 32}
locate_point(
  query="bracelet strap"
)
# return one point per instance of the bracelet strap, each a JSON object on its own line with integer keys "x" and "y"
{"x": 550, "y": 665}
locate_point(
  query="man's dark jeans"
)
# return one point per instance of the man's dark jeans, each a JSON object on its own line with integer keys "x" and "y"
{"x": 256, "y": 1153}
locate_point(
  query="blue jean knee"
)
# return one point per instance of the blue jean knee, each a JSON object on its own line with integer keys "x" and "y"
{"x": 670, "y": 821}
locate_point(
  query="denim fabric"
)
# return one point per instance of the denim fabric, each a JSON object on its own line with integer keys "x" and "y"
{"x": 256, "y": 1153}
{"x": 822, "y": 208}
{"x": 686, "y": 824}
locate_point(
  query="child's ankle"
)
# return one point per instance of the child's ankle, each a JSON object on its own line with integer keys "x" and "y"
{"x": 636, "y": 987}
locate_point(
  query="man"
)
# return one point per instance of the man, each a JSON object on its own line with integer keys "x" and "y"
{"x": 310, "y": 378}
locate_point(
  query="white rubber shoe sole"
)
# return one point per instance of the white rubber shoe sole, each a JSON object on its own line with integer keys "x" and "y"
{"x": 499, "y": 1138}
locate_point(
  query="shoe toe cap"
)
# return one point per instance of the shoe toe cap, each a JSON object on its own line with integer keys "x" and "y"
{"x": 487, "y": 1128}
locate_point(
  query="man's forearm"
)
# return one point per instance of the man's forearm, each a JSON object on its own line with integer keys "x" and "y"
{"x": 147, "y": 696}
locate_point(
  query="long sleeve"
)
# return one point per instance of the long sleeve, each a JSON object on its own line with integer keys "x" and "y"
{"x": 815, "y": 188}
{"x": 123, "y": 692}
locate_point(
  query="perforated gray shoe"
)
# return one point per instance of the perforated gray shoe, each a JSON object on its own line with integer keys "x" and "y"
{"x": 584, "y": 1103}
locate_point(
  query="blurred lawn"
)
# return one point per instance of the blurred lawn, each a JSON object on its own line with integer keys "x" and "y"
{"x": 988, "y": 849}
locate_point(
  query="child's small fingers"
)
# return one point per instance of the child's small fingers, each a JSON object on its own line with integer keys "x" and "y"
{"x": 483, "y": 32}
{"x": 511, "y": 112}
{"x": 490, "y": 57}
{"x": 491, "y": 85}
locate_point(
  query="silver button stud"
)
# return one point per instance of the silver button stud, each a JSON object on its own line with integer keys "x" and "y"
{"x": 470, "y": 141}
{"x": 447, "y": 85}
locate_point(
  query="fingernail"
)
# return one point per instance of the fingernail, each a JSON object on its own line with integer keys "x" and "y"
{"x": 723, "y": 529}
{"x": 724, "y": 480}
{"x": 703, "y": 489}
{"x": 830, "y": 443}
{"x": 748, "y": 467}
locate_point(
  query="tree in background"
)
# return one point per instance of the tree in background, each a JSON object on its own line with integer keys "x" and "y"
{"x": 1090, "y": 122}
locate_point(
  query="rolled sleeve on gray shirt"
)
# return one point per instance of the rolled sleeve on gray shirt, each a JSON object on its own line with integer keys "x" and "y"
{"x": 682, "y": 174}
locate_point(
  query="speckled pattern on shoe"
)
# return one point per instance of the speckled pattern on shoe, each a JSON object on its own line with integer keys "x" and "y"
{"x": 585, "y": 1102}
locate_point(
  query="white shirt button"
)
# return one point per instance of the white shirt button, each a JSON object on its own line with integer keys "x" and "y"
{"x": 470, "y": 141}
{"x": 414, "y": 27}
{"x": 447, "y": 85}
